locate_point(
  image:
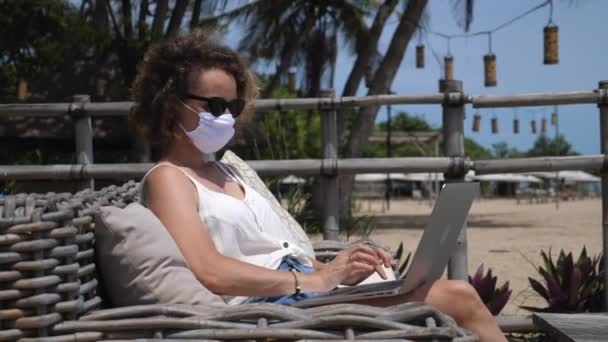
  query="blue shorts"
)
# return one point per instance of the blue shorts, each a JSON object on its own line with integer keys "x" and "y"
{"x": 287, "y": 264}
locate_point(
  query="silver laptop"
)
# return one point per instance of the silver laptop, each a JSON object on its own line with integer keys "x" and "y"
{"x": 437, "y": 244}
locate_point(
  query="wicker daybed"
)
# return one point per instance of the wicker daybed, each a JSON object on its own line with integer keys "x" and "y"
{"x": 50, "y": 290}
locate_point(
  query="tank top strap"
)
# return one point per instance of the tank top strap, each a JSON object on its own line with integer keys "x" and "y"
{"x": 143, "y": 182}
{"x": 230, "y": 173}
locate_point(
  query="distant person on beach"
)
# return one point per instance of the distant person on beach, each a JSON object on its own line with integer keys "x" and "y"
{"x": 189, "y": 92}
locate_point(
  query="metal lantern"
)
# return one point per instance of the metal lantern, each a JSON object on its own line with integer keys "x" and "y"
{"x": 543, "y": 125}
{"x": 551, "y": 43}
{"x": 448, "y": 62}
{"x": 476, "y": 122}
{"x": 494, "y": 125}
{"x": 554, "y": 118}
{"x": 420, "y": 56}
{"x": 291, "y": 79}
{"x": 489, "y": 63}
{"x": 533, "y": 125}
{"x": 515, "y": 126}
{"x": 100, "y": 87}
{"x": 21, "y": 90}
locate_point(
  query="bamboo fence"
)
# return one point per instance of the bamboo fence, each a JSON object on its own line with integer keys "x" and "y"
{"x": 455, "y": 164}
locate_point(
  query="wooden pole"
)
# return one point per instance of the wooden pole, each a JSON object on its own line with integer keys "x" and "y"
{"x": 603, "y": 106}
{"x": 329, "y": 176}
{"x": 453, "y": 139}
{"x": 83, "y": 133}
{"x": 264, "y": 105}
{"x": 312, "y": 167}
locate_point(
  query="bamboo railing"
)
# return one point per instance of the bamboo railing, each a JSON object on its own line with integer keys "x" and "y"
{"x": 455, "y": 165}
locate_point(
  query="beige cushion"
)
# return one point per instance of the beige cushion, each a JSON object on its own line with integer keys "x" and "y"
{"x": 251, "y": 178}
{"x": 141, "y": 264}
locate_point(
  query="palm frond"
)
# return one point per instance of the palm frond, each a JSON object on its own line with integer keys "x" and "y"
{"x": 463, "y": 13}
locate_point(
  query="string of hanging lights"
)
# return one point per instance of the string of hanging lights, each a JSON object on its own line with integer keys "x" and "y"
{"x": 536, "y": 125}
{"x": 550, "y": 40}
{"x": 420, "y": 52}
{"x": 515, "y": 123}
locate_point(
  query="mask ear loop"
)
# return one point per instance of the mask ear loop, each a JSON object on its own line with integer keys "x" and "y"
{"x": 182, "y": 102}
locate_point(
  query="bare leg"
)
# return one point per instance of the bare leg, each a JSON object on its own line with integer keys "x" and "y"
{"x": 457, "y": 299}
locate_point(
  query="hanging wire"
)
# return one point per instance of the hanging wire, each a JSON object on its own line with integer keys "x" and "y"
{"x": 497, "y": 28}
{"x": 489, "y": 42}
{"x": 449, "y": 53}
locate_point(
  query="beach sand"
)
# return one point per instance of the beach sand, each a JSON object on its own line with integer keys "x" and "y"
{"x": 504, "y": 236}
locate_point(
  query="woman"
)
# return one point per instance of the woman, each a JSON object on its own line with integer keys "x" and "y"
{"x": 189, "y": 90}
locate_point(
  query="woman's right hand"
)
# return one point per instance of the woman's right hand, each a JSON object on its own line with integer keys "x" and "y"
{"x": 351, "y": 266}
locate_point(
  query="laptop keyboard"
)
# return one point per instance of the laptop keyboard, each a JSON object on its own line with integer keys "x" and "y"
{"x": 376, "y": 287}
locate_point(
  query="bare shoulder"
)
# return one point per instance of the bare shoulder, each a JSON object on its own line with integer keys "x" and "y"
{"x": 168, "y": 183}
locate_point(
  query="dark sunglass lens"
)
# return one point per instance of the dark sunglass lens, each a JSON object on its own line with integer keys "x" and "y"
{"x": 217, "y": 106}
{"x": 236, "y": 107}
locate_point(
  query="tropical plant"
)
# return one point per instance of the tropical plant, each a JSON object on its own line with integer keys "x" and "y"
{"x": 297, "y": 33}
{"x": 298, "y": 204}
{"x": 403, "y": 265}
{"x": 495, "y": 298}
{"x": 361, "y": 226}
{"x": 568, "y": 286}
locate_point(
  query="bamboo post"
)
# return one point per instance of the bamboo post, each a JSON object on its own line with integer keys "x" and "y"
{"x": 603, "y": 106}
{"x": 329, "y": 176}
{"x": 453, "y": 138}
{"x": 83, "y": 133}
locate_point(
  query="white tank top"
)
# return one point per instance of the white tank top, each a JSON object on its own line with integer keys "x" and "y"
{"x": 247, "y": 230}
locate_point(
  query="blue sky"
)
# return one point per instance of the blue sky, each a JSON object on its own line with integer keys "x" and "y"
{"x": 519, "y": 54}
{"x": 518, "y": 50}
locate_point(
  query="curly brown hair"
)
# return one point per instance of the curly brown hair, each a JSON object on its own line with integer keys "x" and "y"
{"x": 167, "y": 70}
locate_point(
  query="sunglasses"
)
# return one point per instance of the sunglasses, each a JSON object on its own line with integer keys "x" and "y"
{"x": 217, "y": 105}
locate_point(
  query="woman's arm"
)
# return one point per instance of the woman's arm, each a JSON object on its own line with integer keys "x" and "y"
{"x": 173, "y": 199}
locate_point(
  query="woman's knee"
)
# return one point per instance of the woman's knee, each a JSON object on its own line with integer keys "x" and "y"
{"x": 460, "y": 296}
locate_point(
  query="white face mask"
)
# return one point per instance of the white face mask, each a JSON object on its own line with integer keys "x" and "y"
{"x": 212, "y": 133}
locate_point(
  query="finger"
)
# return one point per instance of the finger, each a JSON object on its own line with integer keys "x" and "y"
{"x": 363, "y": 249}
{"x": 362, "y": 267}
{"x": 366, "y": 258}
{"x": 386, "y": 257}
{"x": 367, "y": 249}
{"x": 381, "y": 272}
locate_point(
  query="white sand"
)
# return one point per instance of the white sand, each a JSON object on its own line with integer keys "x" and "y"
{"x": 509, "y": 237}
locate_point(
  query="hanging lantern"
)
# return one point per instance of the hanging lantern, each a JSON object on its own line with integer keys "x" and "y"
{"x": 420, "y": 56}
{"x": 533, "y": 125}
{"x": 554, "y": 118}
{"x": 543, "y": 125}
{"x": 100, "y": 87}
{"x": 551, "y": 44}
{"x": 515, "y": 126}
{"x": 291, "y": 79}
{"x": 476, "y": 122}
{"x": 494, "y": 125}
{"x": 489, "y": 63}
{"x": 22, "y": 90}
{"x": 448, "y": 62}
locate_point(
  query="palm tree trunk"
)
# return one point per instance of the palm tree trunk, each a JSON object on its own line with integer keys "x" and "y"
{"x": 380, "y": 84}
{"x": 364, "y": 58}
{"x": 370, "y": 47}
{"x": 142, "y": 26}
{"x": 196, "y": 13}
{"x": 127, "y": 19}
{"x": 160, "y": 14}
{"x": 176, "y": 18}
